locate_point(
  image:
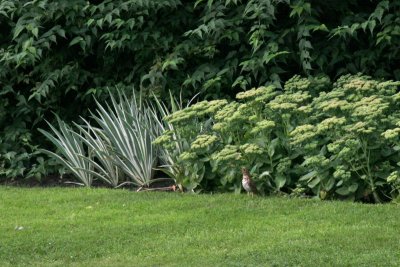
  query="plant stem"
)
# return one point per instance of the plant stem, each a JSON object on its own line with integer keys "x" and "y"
{"x": 367, "y": 155}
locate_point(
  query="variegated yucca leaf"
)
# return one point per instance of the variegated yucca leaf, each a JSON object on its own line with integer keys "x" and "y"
{"x": 103, "y": 160}
{"x": 130, "y": 129}
{"x": 73, "y": 154}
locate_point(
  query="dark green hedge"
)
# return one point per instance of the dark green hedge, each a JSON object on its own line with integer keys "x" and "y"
{"x": 55, "y": 55}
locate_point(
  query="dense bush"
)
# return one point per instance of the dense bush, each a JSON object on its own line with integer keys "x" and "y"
{"x": 55, "y": 54}
{"x": 337, "y": 140}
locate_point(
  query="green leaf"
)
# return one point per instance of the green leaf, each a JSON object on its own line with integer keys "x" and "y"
{"x": 353, "y": 188}
{"x": 76, "y": 40}
{"x": 18, "y": 29}
{"x": 89, "y": 22}
{"x": 61, "y": 33}
{"x": 272, "y": 146}
{"x": 35, "y": 32}
{"x": 371, "y": 26}
{"x": 314, "y": 182}
{"x": 343, "y": 191}
{"x": 308, "y": 176}
{"x": 329, "y": 184}
{"x": 280, "y": 181}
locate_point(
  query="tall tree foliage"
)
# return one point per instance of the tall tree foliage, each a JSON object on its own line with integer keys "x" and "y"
{"x": 56, "y": 54}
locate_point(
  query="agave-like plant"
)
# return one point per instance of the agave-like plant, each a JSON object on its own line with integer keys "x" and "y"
{"x": 103, "y": 161}
{"x": 121, "y": 144}
{"x": 130, "y": 129}
{"x": 75, "y": 156}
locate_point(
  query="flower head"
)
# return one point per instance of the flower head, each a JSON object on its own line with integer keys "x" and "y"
{"x": 203, "y": 141}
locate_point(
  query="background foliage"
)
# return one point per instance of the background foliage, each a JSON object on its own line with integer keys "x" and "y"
{"x": 54, "y": 55}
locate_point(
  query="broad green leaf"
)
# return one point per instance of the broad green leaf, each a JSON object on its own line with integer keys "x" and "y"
{"x": 76, "y": 40}
{"x": 314, "y": 182}
{"x": 343, "y": 191}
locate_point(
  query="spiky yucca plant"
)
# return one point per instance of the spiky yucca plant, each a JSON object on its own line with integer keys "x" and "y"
{"x": 120, "y": 145}
{"x": 74, "y": 156}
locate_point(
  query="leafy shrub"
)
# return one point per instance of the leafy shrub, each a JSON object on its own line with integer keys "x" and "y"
{"x": 185, "y": 125}
{"x": 169, "y": 155}
{"x": 343, "y": 140}
{"x": 312, "y": 137}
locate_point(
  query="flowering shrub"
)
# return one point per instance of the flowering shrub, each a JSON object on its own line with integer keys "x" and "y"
{"x": 337, "y": 140}
{"x": 349, "y": 153}
{"x": 188, "y": 132}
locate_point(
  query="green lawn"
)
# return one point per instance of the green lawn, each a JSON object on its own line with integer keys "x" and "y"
{"x": 101, "y": 227}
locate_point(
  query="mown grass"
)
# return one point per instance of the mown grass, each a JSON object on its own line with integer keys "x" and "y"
{"x": 100, "y": 227}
